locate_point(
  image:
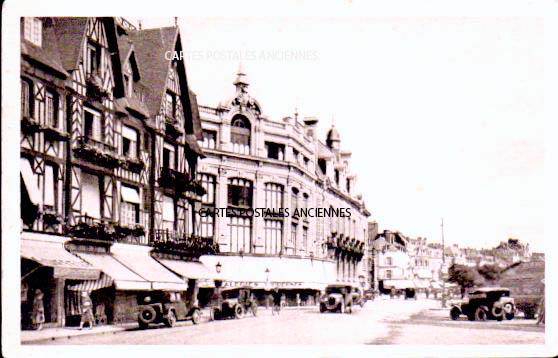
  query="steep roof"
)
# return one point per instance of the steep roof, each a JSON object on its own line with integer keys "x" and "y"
{"x": 49, "y": 53}
{"x": 151, "y": 45}
{"x": 70, "y": 32}
{"x": 150, "y": 48}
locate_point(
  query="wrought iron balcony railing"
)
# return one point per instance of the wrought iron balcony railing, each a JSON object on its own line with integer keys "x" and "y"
{"x": 170, "y": 241}
{"x": 180, "y": 182}
{"x": 87, "y": 227}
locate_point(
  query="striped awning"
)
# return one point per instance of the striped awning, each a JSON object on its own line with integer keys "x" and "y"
{"x": 92, "y": 285}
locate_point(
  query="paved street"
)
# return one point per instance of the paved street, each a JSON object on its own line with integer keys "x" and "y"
{"x": 380, "y": 322}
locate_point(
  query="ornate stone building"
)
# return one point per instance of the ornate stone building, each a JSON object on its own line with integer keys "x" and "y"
{"x": 255, "y": 162}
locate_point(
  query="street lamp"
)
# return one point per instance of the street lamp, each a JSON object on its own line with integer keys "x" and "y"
{"x": 218, "y": 267}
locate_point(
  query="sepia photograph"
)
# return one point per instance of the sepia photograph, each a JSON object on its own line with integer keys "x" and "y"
{"x": 214, "y": 181}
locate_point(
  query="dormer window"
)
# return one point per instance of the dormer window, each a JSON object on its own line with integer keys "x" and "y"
{"x": 170, "y": 104}
{"x": 93, "y": 58}
{"x": 128, "y": 85}
{"x": 33, "y": 30}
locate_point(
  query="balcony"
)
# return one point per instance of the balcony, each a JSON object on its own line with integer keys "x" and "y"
{"x": 89, "y": 228}
{"x": 172, "y": 242}
{"x": 100, "y": 230}
{"x": 94, "y": 88}
{"x": 179, "y": 182}
{"x": 172, "y": 127}
{"x": 97, "y": 152}
{"x": 29, "y": 126}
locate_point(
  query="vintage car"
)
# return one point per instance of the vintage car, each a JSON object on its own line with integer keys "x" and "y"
{"x": 156, "y": 307}
{"x": 233, "y": 303}
{"x": 358, "y": 297}
{"x": 337, "y": 298}
{"x": 485, "y": 303}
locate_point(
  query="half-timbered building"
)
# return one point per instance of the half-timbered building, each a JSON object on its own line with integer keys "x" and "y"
{"x": 109, "y": 131}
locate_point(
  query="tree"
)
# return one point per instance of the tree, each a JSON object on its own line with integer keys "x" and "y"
{"x": 464, "y": 276}
{"x": 489, "y": 272}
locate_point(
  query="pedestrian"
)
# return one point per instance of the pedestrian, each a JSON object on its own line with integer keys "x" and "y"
{"x": 86, "y": 311}
{"x": 38, "y": 311}
{"x": 298, "y": 299}
{"x": 392, "y": 293}
{"x": 276, "y": 301}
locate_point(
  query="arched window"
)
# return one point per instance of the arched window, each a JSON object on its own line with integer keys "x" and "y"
{"x": 240, "y": 134}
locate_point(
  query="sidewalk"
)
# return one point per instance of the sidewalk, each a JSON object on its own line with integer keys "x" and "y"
{"x": 51, "y": 334}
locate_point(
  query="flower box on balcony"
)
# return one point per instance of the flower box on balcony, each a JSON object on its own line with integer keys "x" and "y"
{"x": 51, "y": 218}
{"x": 123, "y": 231}
{"x": 175, "y": 243}
{"x": 96, "y": 152}
{"x": 93, "y": 229}
{"x": 133, "y": 165}
{"x": 95, "y": 89}
{"x": 173, "y": 179}
{"x": 172, "y": 127}
{"x": 29, "y": 126}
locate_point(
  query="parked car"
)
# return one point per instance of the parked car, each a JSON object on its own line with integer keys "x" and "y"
{"x": 337, "y": 298}
{"x": 233, "y": 303}
{"x": 485, "y": 303}
{"x": 156, "y": 307}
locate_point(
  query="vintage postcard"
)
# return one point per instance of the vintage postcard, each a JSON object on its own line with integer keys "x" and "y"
{"x": 336, "y": 183}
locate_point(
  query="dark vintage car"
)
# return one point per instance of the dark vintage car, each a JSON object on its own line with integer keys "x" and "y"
{"x": 338, "y": 298}
{"x": 156, "y": 307}
{"x": 485, "y": 303}
{"x": 233, "y": 303}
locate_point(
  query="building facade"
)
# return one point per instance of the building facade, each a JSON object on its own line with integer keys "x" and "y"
{"x": 109, "y": 131}
{"x": 254, "y": 162}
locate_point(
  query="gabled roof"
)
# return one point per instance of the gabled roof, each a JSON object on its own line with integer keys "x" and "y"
{"x": 70, "y": 32}
{"x": 151, "y": 45}
{"x": 150, "y": 48}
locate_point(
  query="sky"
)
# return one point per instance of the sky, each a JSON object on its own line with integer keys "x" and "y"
{"x": 443, "y": 115}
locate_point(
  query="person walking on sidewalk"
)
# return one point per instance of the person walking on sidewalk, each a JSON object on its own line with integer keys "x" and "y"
{"x": 86, "y": 311}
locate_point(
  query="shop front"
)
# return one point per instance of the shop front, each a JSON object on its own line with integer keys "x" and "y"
{"x": 127, "y": 270}
{"x": 46, "y": 267}
{"x": 300, "y": 280}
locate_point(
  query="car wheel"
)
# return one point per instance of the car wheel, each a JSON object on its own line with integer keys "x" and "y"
{"x": 238, "y": 312}
{"x": 148, "y": 315}
{"x": 455, "y": 313}
{"x": 509, "y": 311}
{"x": 171, "y": 319}
{"x": 196, "y": 316}
{"x": 480, "y": 314}
{"x": 497, "y": 313}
